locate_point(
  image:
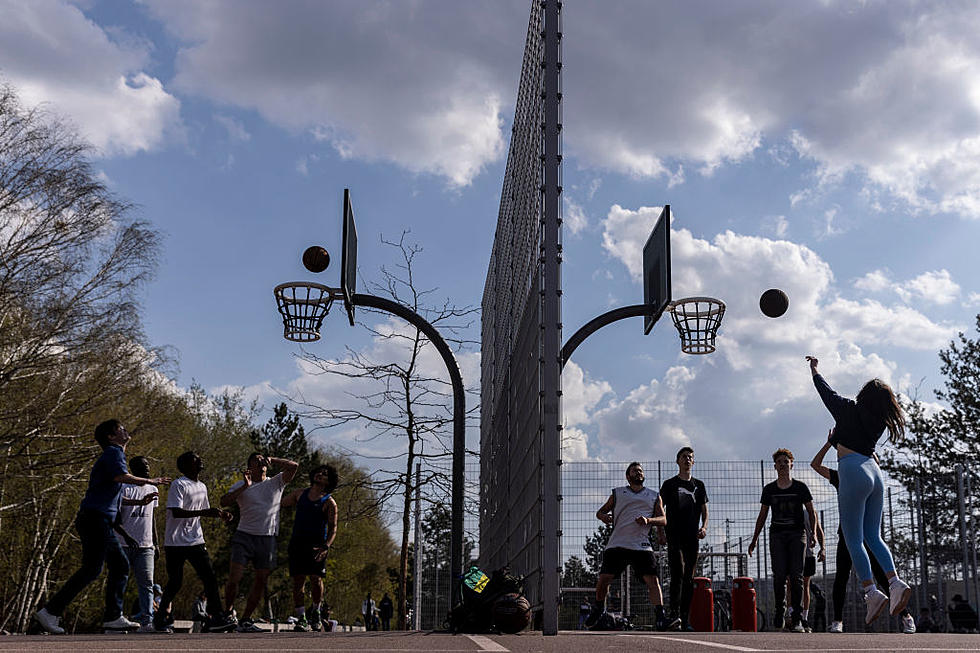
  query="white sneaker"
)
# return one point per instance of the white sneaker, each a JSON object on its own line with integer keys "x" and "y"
{"x": 876, "y": 601}
{"x": 121, "y": 623}
{"x": 900, "y": 593}
{"x": 908, "y": 624}
{"x": 836, "y": 627}
{"x": 49, "y": 622}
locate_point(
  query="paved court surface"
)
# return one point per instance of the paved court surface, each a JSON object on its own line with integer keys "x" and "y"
{"x": 565, "y": 642}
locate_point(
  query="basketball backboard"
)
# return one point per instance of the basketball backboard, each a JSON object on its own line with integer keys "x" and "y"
{"x": 348, "y": 262}
{"x": 656, "y": 269}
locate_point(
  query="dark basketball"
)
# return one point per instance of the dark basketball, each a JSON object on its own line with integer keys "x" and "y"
{"x": 316, "y": 259}
{"x": 774, "y": 302}
{"x": 511, "y": 613}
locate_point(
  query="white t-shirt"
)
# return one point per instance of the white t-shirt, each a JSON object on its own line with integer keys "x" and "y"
{"x": 137, "y": 521}
{"x": 189, "y": 495}
{"x": 259, "y": 505}
{"x": 627, "y": 534}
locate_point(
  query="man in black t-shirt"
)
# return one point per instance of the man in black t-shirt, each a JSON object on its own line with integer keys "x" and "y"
{"x": 787, "y": 498}
{"x": 686, "y": 503}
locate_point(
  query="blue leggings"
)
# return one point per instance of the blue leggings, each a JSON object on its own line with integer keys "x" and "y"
{"x": 860, "y": 501}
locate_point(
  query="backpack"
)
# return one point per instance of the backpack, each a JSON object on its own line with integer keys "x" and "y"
{"x": 478, "y": 592}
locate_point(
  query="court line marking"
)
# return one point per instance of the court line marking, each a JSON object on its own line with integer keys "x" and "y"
{"x": 729, "y": 647}
{"x": 487, "y": 644}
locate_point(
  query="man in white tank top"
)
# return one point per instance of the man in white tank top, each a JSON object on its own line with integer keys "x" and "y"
{"x": 631, "y": 511}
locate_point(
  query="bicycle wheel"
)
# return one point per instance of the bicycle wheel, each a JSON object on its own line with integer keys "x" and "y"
{"x": 723, "y": 621}
{"x": 760, "y": 618}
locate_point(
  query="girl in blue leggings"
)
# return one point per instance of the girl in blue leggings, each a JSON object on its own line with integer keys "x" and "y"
{"x": 858, "y": 426}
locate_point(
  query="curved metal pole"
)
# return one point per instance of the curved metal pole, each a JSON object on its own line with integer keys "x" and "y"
{"x": 597, "y": 323}
{"x": 459, "y": 427}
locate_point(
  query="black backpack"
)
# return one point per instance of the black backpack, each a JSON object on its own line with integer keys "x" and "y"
{"x": 477, "y": 594}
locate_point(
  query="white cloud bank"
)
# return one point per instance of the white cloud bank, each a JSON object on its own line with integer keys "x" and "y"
{"x": 886, "y": 91}
{"x": 54, "y": 55}
{"x": 754, "y": 394}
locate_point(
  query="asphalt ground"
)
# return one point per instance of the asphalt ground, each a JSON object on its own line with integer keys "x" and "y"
{"x": 564, "y": 642}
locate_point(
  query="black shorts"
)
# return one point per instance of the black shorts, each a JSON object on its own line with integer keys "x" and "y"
{"x": 809, "y": 566}
{"x": 614, "y": 561}
{"x": 302, "y": 558}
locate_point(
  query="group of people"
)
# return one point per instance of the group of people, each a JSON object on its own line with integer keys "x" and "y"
{"x": 377, "y": 616}
{"x": 116, "y": 528}
{"x": 680, "y": 512}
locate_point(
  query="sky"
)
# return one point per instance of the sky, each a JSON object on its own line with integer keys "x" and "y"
{"x": 830, "y": 149}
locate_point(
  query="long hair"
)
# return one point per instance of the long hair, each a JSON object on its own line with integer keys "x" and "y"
{"x": 877, "y": 398}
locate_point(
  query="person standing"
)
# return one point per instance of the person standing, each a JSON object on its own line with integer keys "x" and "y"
{"x": 858, "y": 425}
{"x": 138, "y": 533}
{"x": 385, "y": 611}
{"x": 183, "y": 541}
{"x": 844, "y": 563}
{"x": 258, "y": 497}
{"x": 367, "y": 610}
{"x": 686, "y": 502}
{"x": 810, "y": 565}
{"x": 94, "y": 524}
{"x": 631, "y": 510}
{"x": 787, "y": 497}
{"x": 314, "y": 531}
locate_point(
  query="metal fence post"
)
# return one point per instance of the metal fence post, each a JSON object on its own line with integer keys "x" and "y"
{"x": 923, "y": 564}
{"x": 417, "y": 594}
{"x": 973, "y": 537}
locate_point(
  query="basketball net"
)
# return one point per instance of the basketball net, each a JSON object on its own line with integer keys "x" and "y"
{"x": 697, "y": 320}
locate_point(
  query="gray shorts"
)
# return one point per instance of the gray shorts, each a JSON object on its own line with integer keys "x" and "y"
{"x": 260, "y": 550}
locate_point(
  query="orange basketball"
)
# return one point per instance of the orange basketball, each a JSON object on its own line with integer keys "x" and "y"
{"x": 316, "y": 259}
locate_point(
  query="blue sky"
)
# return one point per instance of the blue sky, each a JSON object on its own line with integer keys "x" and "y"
{"x": 831, "y": 149}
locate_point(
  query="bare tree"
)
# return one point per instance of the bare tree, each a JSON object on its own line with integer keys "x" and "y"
{"x": 71, "y": 343}
{"x": 401, "y": 398}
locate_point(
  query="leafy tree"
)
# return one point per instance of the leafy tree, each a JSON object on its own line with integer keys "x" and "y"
{"x": 935, "y": 443}
{"x": 594, "y": 546}
{"x": 72, "y": 350}
{"x": 576, "y": 574}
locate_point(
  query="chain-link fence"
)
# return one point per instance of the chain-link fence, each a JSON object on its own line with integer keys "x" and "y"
{"x": 939, "y": 560}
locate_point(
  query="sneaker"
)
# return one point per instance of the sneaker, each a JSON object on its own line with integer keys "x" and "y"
{"x": 314, "y": 616}
{"x": 594, "y": 615}
{"x": 686, "y": 627}
{"x": 120, "y": 623}
{"x": 797, "y": 628}
{"x": 675, "y": 624}
{"x": 49, "y": 622}
{"x": 899, "y": 593}
{"x": 224, "y": 624}
{"x": 147, "y": 628}
{"x": 302, "y": 625}
{"x": 248, "y": 626}
{"x": 876, "y": 602}
{"x": 806, "y": 626}
{"x": 164, "y": 628}
{"x": 908, "y": 624}
{"x": 836, "y": 627}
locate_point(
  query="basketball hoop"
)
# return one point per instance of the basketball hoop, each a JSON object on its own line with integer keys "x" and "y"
{"x": 303, "y": 305}
{"x": 697, "y": 320}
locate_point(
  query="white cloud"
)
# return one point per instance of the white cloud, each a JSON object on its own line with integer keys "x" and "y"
{"x": 235, "y": 128}
{"x": 54, "y": 55}
{"x": 574, "y": 217}
{"x": 753, "y": 394}
{"x": 853, "y": 88}
{"x": 973, "y": 299}
{"x": 933, "y": 287}
{"x": 416, "y": 84}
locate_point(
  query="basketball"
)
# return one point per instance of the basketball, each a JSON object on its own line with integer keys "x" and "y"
{"x": 511, "y": 613}
{"x": 316, "y": 259}
{"x": 774, "y": 302}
